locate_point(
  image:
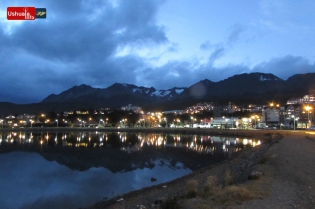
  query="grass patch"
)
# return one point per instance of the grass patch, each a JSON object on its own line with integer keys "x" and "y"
{"x": 192, "y": 188}
{"x": 222, "y": 190}
{"x": 234, "y": 194}
{"x": 226, "y": 193}
{"x": 228, "y": 178}
{"x": 211, "y": 187}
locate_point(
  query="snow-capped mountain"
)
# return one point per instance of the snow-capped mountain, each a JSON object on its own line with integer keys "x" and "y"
{"x": 244, "y": 88}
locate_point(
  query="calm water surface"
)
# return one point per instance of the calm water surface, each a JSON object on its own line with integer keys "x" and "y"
{"x": 77, "y": 169}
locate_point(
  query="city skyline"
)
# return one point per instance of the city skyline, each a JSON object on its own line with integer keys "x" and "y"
{"x": 160, "y": 44}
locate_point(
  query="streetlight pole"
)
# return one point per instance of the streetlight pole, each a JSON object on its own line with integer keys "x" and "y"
{"x": 293, "y": 122}
{"x": 308, "y": 117}
{"x": 192, "y": 118}
{"x": 57, "y": 123}
{"x": 308, "y": 108}
{"x": 166, "y": 122}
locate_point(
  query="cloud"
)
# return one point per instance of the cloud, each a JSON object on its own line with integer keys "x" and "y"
{"x": 286, "y": 66}
{"x": 234, "y": 33}
{"x": 206, "y": 45}
{"x": 219, "y": 52}
{"x": 185, "y": 74}
{"x": 100, "y": 43}
{"x": 76, "y": 44}
{"x": 71, "y": 37}
{"x": 173, "y": 47}
{"x": 220, "y": 49}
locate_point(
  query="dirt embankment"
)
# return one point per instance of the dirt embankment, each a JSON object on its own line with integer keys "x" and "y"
{"x": 283, "y": 165}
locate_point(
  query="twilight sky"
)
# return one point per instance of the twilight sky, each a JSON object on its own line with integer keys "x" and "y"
{"x": 158, "y": 43}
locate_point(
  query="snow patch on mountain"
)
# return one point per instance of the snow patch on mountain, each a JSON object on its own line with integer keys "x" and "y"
{"x": 266, "y": 78}
{"x": 160, "y": 93}
{"x": 134, "y": 90}
{"x": 178, "y": 91}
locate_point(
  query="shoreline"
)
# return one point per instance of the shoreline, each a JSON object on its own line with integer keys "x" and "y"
{"x": 227, "y": 132}
{"x": 240, "y": 166}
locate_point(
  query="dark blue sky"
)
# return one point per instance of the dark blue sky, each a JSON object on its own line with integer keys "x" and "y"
{"x": 158, "y": 43}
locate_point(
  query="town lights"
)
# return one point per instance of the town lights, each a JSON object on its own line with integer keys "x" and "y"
{"x": 274, "y": 105}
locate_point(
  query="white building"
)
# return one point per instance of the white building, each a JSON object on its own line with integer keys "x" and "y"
{"x": 307, "y": 99}
{"x": 271, "y": 115}
{"x": 224, "y": 123}
{"x": 223, "y": 108}
{"x": 132, "y": 108}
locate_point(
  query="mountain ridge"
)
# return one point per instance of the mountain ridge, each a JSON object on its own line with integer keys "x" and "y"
{"x": 241, "y": 89}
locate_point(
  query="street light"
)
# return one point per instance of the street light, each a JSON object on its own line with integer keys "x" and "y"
{"x": 254, "y": 117}
{"x": 166, "y": 122}
{"x": 31, "y": 123}
{"x": 308, "y": 108}
{"x": 143, "y": 122}
{"x": 192, "y": 118}
{"x": 100, "y": 122}
{"x": 124, "y": 121}
{"x": 2, "y": 122}
{"x": 57, "y": 123}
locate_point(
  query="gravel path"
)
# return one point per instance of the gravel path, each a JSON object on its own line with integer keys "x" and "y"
{"x": 292, "y": 174}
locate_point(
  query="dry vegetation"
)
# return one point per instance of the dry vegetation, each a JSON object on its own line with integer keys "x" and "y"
{"x": 216, "y": 194}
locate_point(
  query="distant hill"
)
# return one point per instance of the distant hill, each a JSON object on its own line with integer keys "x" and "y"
{"x": 242, "y": 89}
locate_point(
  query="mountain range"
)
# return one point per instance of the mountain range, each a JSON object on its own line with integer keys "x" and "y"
{"x": 259, "y": 88}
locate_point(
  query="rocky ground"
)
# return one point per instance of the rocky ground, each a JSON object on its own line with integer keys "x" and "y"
{"x": 281, "y": 171}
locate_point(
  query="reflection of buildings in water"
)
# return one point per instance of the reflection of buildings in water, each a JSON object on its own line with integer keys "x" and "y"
{"x": 131, "y": 142}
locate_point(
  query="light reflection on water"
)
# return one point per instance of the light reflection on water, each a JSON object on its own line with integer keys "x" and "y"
{"x": 198, "y": 143}
{"x": 77, "y": 169}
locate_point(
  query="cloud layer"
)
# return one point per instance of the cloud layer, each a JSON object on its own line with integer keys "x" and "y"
{"x": 100, "y": 43}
